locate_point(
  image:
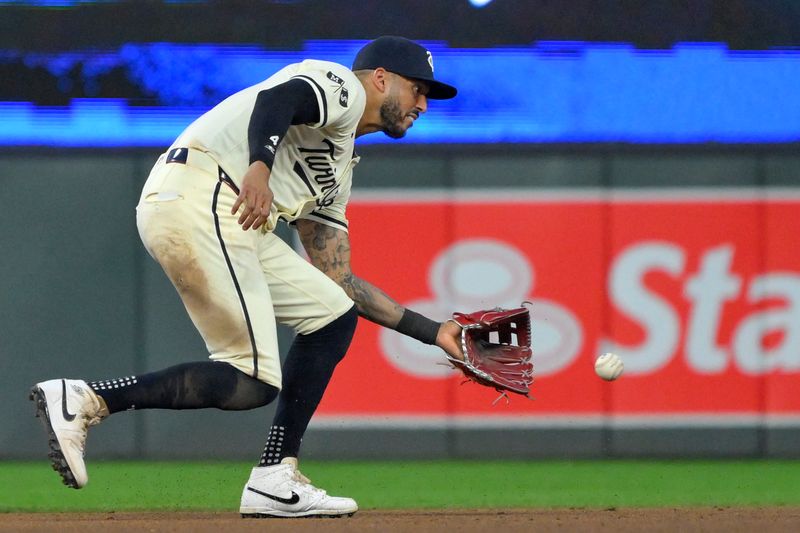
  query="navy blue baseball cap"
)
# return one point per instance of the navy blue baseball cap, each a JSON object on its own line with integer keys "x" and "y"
{"x": 405, "y": 57}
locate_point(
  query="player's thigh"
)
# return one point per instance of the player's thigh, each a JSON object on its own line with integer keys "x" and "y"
{"x": 303, "y": 297}
{"x": 214, "y": 266}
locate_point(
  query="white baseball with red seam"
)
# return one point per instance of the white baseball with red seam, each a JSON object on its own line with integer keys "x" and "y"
{"x": 609, "y": 366}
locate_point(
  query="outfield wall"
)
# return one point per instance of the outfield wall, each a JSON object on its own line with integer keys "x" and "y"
{"x": 683, "y": 260}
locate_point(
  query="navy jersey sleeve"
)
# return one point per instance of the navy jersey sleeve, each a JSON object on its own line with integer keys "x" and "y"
{"x": 290, "y": 103}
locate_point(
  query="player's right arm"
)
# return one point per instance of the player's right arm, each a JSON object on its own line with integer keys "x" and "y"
{"x": 276, "y": 109}
{"x": 328, "y": 249}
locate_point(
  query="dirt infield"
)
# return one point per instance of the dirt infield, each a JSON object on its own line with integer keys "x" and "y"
{"x": 761, "y": 519}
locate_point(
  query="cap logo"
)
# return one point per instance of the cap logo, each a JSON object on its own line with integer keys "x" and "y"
{"x": 430, "y": 59}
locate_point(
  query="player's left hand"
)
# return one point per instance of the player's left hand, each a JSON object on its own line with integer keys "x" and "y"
{"x": 255, "y": 197}
{"x": 449, "y": 339}
{"x": 497, "y": 348}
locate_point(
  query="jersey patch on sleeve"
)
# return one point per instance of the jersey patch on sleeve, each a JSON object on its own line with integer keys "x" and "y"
{"x": 334, "y": 78}
{"x": 344, "y": 96}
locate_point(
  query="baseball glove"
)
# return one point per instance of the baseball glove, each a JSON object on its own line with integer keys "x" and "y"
{"x": 497, "y": 349}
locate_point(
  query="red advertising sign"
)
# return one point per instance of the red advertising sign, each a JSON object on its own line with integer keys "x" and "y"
{"x": 699, "y": 295}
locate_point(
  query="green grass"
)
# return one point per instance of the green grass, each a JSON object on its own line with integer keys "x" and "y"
{"x": 124, "y": 486}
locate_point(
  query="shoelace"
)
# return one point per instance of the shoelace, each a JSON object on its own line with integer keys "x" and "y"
{"x": 303, "y": 480}
{"x": 88, "y": 420}
{"x": 297, "y": 475}
{"x": 92, "y": 420}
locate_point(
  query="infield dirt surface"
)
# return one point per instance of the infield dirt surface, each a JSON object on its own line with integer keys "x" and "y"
{"x": 761, "y": 519}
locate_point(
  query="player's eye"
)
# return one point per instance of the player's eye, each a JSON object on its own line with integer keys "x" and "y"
{"x": 420, "y": 89}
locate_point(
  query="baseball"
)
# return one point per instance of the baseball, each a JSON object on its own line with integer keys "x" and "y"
{"x": 609, "y": 366}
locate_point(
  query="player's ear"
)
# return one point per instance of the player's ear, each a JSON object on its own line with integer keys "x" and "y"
{"x": 380, "y": 79}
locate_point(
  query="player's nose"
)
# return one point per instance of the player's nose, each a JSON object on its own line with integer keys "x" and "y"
{"x": 422, "y": 103}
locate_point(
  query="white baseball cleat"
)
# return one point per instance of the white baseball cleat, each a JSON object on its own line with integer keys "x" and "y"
{"x": 282, "y": 491}
{"x": 67, "y": 407}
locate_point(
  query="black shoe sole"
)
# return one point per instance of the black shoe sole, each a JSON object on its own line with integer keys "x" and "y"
{"x": 262, "y": 515}
{"x": 57, "y": 459}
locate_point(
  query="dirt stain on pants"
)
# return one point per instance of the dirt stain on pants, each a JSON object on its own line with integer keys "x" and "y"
{"x": 215, "y": 311}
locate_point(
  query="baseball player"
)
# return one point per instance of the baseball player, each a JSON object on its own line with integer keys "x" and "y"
{"x": 281, "y": 149}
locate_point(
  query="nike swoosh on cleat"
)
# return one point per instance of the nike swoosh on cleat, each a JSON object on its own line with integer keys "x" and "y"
{"x": 288, "y": 501}
{"x": 67, "y": 416}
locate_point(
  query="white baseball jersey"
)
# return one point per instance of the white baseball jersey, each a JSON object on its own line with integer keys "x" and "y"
{"x": 312, "y": 172}
{"x": 235, "y": 284}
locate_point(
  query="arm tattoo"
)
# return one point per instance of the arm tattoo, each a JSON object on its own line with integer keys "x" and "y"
{"x": 371, "y": 302}
{"x": 327, "y": 247}
{"x": 329, "y": 251}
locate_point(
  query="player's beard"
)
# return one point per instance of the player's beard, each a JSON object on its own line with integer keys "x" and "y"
{"x": 392, "y": 118}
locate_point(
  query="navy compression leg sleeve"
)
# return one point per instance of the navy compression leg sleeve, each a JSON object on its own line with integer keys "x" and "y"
{"x": 306, "y": 373}
{"x": 186, "y": 386}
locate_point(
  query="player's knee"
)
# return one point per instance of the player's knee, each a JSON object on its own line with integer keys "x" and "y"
{"x": 334, "y": 339}
{"x": 331, "y": 299}
{"x": 264, "y": 394}
{"x": 250, "y": 393}
{"x": 343, "y": 327}
{"x": 348, "y": 322}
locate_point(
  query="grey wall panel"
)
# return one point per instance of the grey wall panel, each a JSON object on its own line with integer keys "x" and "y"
{"x": 206, "y": 433}
{"x": 686, "y": 442}
{"x": 684, "y": 170}
{"x": 379, "y": 170}
{"x": 783, "y": 442}
{"x": 514, "y": 170}
{"x": 782, "y": 170}
{"x": 529, "y": 443}
{"x": 377, "y": 444}
{"x": 68, "y": 284}
{"x": 81, "y": 298}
